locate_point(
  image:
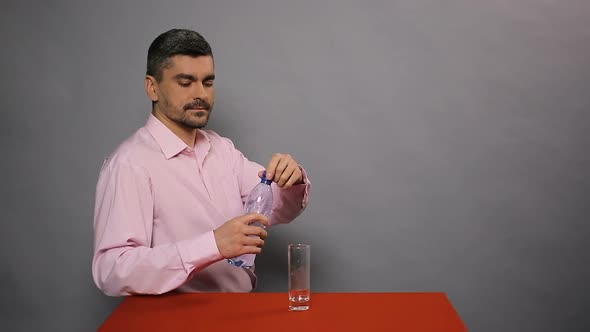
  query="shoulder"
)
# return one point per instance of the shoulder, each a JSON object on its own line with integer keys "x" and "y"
{"x": 137, "y": 152}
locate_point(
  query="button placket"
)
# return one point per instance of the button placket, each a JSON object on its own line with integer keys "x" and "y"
{"x": 192, "y": 154}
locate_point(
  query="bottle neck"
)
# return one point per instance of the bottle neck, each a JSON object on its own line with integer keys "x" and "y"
{"x": 264, "y": 180}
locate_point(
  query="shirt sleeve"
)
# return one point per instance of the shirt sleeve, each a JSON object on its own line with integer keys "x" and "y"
{"x": 287, "y": 203}
{"x": 124, "y": 262}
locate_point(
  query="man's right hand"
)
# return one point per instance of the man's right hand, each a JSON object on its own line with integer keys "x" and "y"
{"x": 233, "y": 238}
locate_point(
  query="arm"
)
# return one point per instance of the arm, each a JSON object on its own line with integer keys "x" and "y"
{"x": 288, "y": 200}
{"x": 288, "y": 203}
{"x": 124, "y": 262}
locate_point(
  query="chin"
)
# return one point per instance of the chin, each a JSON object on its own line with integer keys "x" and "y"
{"x": 196, "y": 124}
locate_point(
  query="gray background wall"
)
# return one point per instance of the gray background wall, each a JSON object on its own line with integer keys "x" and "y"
{"x": 447, "y": 142}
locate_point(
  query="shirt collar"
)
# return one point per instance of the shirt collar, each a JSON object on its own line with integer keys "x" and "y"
{"x": 170, "y": 144}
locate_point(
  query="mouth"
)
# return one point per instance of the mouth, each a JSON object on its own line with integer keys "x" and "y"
{"x": 198, "y": 111}
{"x": 199, "y": 106}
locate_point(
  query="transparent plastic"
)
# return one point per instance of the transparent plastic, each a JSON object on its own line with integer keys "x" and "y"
{"x": 259, "y": 200}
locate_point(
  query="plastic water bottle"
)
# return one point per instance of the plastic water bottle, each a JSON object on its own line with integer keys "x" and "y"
{"x": 259, "y": 200}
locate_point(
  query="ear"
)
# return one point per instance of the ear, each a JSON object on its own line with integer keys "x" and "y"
{"x": 151, "y": 87}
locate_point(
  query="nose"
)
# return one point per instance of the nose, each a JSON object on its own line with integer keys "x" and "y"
{"x": 199, "y": 92}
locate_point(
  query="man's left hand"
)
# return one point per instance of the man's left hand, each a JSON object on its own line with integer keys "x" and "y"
{"x": 283, "y": 170}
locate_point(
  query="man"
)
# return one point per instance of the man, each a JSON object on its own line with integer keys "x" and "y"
{"x": 169, "y": 200}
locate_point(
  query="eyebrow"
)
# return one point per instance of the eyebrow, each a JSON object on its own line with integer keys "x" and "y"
{"x": 182, "y": 76}
{"x": 190, "y": 77}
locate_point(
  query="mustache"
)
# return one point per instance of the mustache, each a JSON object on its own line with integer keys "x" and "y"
{"x": 199, "y": 103}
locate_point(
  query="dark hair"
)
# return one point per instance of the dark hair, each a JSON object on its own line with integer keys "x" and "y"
{"x": 171, "y": 43}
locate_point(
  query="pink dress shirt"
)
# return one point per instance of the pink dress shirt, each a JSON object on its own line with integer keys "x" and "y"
{"x": 157, "y": 204}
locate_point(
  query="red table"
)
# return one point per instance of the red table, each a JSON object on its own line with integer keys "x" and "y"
{"x": 268, "y": 312}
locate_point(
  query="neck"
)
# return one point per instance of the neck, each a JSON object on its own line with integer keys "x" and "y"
{"x": 186, "y": 134}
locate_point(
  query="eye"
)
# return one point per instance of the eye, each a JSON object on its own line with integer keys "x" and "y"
{"x": 208, "y": 84}
{"x": 184, "y": 84}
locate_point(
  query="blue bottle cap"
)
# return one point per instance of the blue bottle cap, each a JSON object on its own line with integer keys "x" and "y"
{"x": 264, "y": 180}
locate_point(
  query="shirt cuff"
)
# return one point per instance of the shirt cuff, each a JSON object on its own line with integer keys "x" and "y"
{"x": 307, "y": 184}
{"x": 199, "y": 252}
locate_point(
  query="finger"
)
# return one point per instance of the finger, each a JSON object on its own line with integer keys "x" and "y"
{"x": 258, "y": 224}
{"x": 251, "y": 250}
{"x": 281, "y": 167}
{"x": 254, "y": 217}
{"x": 286, "y": 175}
{"x": 296, "y": 177}
{"x": 253, "y": 241}
{"x": 256, "y": 231}
{"x": 272, "y": 165}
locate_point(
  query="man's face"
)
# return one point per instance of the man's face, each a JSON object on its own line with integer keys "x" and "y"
{"x": 186, "y": 93}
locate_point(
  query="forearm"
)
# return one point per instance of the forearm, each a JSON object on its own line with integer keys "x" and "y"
{"x": 125, "y": 270}
{"x": 289, "y": 203}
